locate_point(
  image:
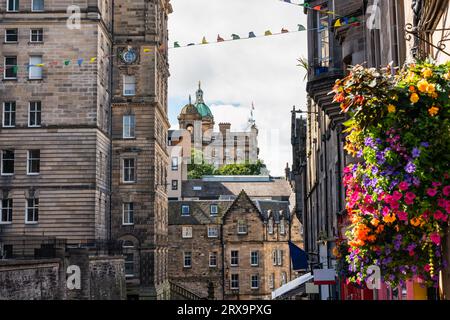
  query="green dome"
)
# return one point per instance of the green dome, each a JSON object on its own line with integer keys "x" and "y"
{"x": 201, "y": 106}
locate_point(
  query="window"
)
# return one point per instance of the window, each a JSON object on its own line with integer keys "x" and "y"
{"x": 7, "y": 207}
{"x": 186, "y": 232}
{"x": 213, "y": 231}
{"x": 34, "y": 114}
{"x": 234, "y": 258}
{"x": 7, "y": 162}
{"x": 9, "y": 114}
{"x": 185, "y": 210}
{"x": 13, "y": 5}
{"x": 128, "y": 213}
{"x": 10, "y": 68}
{"x": 129, "y": 264}
{"x": 254, "y": 282}
{"x": 254, "y": 258}
{"x": 271, "y": 281}
{"x": 174, "y": 163}
{"x": 282, "y": 227}
{"x": 279, "y": 257}
{"x": 37, "y": 5}
{"x": 128, "y": 170}
{"x": 283, "y": 278}
{"x": 242, "y": 227}
{"x": 11, "y": 35}
{"x": 34, "y": 162}
{"x": 129, "y": 126}
{"x": 187, "y": 257}
{"x": 234, "y": 281}
{"x": 174, "y": 184}
{"x": 32, "y": 211}
{"x": 35, "y": 68}
{"x": 214, "y": 209}
{"x": 324, "y": 39}
{"x": 270, "y": 226}
{"x": 36, "y": 35}
{"x": 129, "y": 85}
{"x": 213, "y": 259}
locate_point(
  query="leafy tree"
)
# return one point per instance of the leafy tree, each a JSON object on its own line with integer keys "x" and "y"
{"x": 197, "y": 170}
{"x": 241, "y": 169}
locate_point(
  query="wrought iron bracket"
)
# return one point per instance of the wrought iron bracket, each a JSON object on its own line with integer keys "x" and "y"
{"x": 412, "y": 31}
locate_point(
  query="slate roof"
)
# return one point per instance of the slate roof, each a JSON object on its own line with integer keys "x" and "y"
{"x": 275, "y": 207}
{"x": 275, "y": 188}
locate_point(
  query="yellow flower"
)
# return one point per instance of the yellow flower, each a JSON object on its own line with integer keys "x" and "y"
{"x": 427, "y": 72}
{"x": 375, "y": 222}
{"x": 433, "y": 111}
{"x": 447, "y": 76}
{"x": 416, "y": 222}
{"x": 431, "y": 88}
{"x": 391, "y": 108}
{"x": 389, "y": 218}
{"x": 410, "y": 76}
{"x": 434, "y": 95}
{"x": 422, "y": 85}
{"x": 414, "y": 98}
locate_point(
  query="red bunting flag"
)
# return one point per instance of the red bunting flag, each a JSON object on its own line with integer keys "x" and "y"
{"x": 219, "y": 39}
{"x": 318, "y": 8}
{"x": 284, "y": 30}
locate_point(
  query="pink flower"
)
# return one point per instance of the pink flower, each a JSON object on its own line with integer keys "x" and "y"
{"x": 436, "y": 184}
{"x": 403, "y": 216}
{"x": 403, "y": 186}
{"x": 436, "y": 238}
{"x": 442, "y": 202}
{"x": 427, "y": 268}
{"x": 368, "y": 198}
{"x": 446, "y": 191}
{"x": 394, "y": 205}
{"x": 385, "y": 211}
{"x": 397, "y": 195}
{"x": 431, "y": 192}
{"x": 439, "y": 215}
{"x": 409, "y": 198}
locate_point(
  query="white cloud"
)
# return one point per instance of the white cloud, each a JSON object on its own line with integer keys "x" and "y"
{"x": 235, "y": 73}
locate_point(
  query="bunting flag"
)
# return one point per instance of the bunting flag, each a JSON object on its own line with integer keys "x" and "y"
{"x": 147, "y": 50}
{"x": 66, "y": 62}
{"x": 284, "y": 30}
{"x": 204, "y": 41}
{"x": 235, "y": 36}
{"x": 301, "y": 27}
{"x": 317, "y": 8}
{"x": 176, "y": 44}
{"x": 251, "y": 34}
{"x": 93, "y": 59}
{"x": 191, "y": 44}
{"x": 337, "y": 23}
{"x": 80, "y": 62}
{"x": 268, "y": 33}
{"x": 39, "y": 65}
{"x": 219, "y": 38}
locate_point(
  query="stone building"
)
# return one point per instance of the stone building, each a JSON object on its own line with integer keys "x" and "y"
{"x": 84, "y": 128}
{"x": 229, "y": 239}
{"x": 377, "y": 40}
{"x": 218, "y": 148}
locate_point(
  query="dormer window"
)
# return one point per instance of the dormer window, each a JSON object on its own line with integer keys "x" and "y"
{"x": 282, "y": 227}
{"x": 270, "y": 226}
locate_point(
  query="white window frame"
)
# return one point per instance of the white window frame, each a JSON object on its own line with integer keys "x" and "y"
{"x": 124, "y": 168}
{"x": 212, "y": 254}
{"x": 17, "y": 35}
{"x": 283, "y": 278}
{"x": 234, "y": 287}
{"x": 214, "y": 212}
{"x": 242, "y": 227}
{"x": 127, "y": 212}
{"x": 211, "y": 233}
{"x": 9, "y": 65}
{"x": 257, "y": 258}
{"x": 32, "y": 6}
{"x": 127, "y": 262}
{"x": 282, "y": 227}
{"x": 36, "y": 112}
{"x": 16, "y": 5}
{"x": 174, "y": 185}
{"x": 274, "y": 257}
{"x": 175, "y": 166}
{"x": 34, "y": 72}
{"x": 186, "y": 232}
{"x": 11, "y": 114}
{"x": 9, "y": 214}
{"x": 1, "y": 162}
{"x": 34, "y": 208}
{"x": 272, "y": 281}
{"x": 270, "y": 226}
{"x": 29, "y": 173}
{"x": 128, "y": 126}
{"x": 257, "y": 281}
{"x": 129, "y": 82}
{"x": 40, "y": 33}
{"x": 231, "y": 258}
{"x": 279, "y": 257}
{"x": 188, "y": 210}
{"x": 185, "y": 255}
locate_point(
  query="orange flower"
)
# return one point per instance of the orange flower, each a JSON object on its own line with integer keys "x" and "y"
{"x": 380, "y": 229}
{"x": 414, "y": 98}
{"x": 371, "y": 238}
{"x": 415, "y": 222}
{"x": 427, "y": 72}
{"x": 389, "y": 218}
{"x": 431, "y": 88}
{"x": 375, "y": 222}
{"x": 422, "y": 85}
{"x": 433, "y": 111}
{"x": 412, "y": 89}
{"x": 391, "y": 108}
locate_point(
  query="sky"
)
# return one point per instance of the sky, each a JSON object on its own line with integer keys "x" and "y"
{"x": 234, "y": 74}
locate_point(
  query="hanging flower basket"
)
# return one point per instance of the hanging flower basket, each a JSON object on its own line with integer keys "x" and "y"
{"x": 398, "y": 190}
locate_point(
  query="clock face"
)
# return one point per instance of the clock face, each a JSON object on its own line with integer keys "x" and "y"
{"x": 129, "y": 56}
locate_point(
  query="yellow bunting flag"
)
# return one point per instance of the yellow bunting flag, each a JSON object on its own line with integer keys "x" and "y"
{"x": 204, "y": 41}
{"x": 337, "y": 23}
{"x": 39, "y": 65}
{"x": 146, "y": 50}
{"x": 268, "y": 33}
{"x": 93, "y": 59}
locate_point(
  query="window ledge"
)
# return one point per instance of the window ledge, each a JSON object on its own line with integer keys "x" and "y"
{"x": 127, "y": 224}
{"x": 10, "y": 79}
{"x": 31, "y": 223}
{"x": 33, "y": 174}
{"x": 36, "y": 80}
{"x": 10, "y": 42}
{"x": 7, "y": 174}
{"x": 35, "y": 42}
{"x": 5, "y": 223}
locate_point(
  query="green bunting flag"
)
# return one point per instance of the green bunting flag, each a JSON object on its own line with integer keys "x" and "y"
{"x": 235, "y": 36}
{"x": 66, "y": 62}
{"x": 176, "y": 44}
{"x": 301, "y": 27}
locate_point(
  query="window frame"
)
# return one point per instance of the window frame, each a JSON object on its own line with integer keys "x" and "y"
{"x": 9, "y": 212}
{"x": 211, "y": 255}
{"x": 252, "y": 279}
{"x": 16, "y": 5}
{"x": 282, "y": 227}
{"x": 133, "y": 168}
{"x": 34, "y": 10}
{"x": 186, "y": 232}
{"x": 2, "y": 159}
{"x": 211, "y": 213}
{"x": 176, "y": 165}
{"x": 213, "y": 235}
{"x": 32, "y": 66}
{"x": 11, "y": 114}
{"x": 241, "y": 223}
{"x": 38, "y": 114}
{"x": 35, "y": 210}
{"x": 39, "y": 34}
{"x": 235, "y": 280}
{"x": 234, "y": 258}
{"x": 183, "y": 213}
{"x": 9, "y": 66}
{"x": 6, "y": 35}
{"x": 127, "y": 212}
{"x": 129, "y": 121}
{"x": 270, "y": 226}
{"x": 125, "y": 84}
{"x": 252, "y": 256}
{"x": 174, "y": 185}
{"x": 187, "y": 254}
{"x": 30, "y": 165}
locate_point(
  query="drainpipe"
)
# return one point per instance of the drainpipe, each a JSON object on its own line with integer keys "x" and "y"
{"x": 223, "y": 260}
{"x": 111, "y": 64}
